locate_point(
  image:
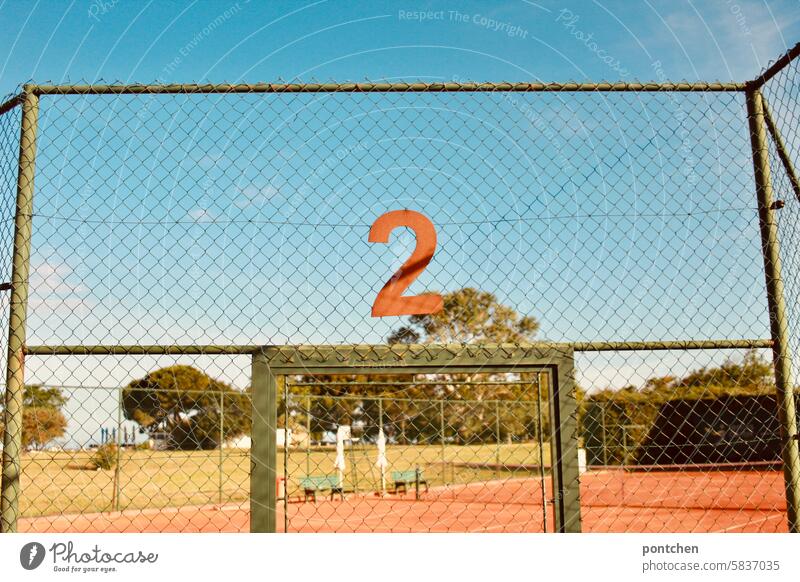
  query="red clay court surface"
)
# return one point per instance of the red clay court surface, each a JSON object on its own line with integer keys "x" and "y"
{"x": 611, "y": 501}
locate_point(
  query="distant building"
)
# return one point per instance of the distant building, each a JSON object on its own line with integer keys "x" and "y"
{"x": 159, "y": 441}
{"x": 297, "y": 438}
{"x": 240, "y": 442}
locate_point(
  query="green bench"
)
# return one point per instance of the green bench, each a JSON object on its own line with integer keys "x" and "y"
{"x": 312, "y": 484}
{"x": 401, "y": 480}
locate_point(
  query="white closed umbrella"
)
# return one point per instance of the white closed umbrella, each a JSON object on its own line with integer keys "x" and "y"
{"x": 341, "y": 435}
{"x": 381, "y": 462}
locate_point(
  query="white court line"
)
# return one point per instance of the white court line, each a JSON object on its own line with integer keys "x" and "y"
{"x": 745, "y": 524}
{"x": 400, "y": 509}
{"x": 508, "y": 525}
{"x": 456, "y": 509}
{"x": 373, "y": 515}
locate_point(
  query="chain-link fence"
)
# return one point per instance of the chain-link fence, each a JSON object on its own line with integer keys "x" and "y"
{"x": 175, "y": 230}
{"x": 432, "y": 439}
{"x": 412, "y": 464}
{"x": 105, "y": 473}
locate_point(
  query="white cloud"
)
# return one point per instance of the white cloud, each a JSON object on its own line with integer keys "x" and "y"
{"x": 255, "y": 196}
{"x": 202, "y": 215}
{"x": 53, "y": 287}
{"x": 52, "y": 278}
{"x": 725, "y": 39}
{"x": 210, "y": 160}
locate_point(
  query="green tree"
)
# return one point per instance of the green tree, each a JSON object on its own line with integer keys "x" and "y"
{"x": 40, "y": 426}
{"x": 469, "y": 316}
{"x": 475, "y": 317}
{"x": 37, "y": 396}
{"x": 187, "y": 405}
{"x": 628, "y": 413}
{"x": 42, "y": 417}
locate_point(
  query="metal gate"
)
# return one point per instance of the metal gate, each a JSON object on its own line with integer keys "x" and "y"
{"x": 373, "y": 508}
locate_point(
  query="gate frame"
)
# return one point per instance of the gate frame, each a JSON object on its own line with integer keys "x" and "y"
{"x": 272, "y": 364}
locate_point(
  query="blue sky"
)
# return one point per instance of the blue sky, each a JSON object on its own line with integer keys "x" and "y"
{"x": 171, "y": 41}
{"x": 244, "y": 219}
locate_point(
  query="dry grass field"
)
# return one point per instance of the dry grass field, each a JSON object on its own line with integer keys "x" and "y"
{"x": 56, "y": 483}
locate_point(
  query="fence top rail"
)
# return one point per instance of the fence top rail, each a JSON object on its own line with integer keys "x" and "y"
{"x": 217, "y": 349}
{"x": 776, "y": 67}
{"x": 429, "y": 402}
{"x": 392, "y": 397}
{"x": 294, "y": 396}
{"x": 368, "y": 87}
{"x": 437, "y": 382}
{"x": 10, "y": 104}
{"x": 399, "y": 87}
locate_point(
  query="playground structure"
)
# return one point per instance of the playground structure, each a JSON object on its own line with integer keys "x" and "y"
{"x": 649, "y": 228}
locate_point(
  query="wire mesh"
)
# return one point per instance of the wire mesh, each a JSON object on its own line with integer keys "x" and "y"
{"x": 9, "y": 152}
{"x": 781, "y": 94}
{"x": 243, "y": 218}
{"x": 166, "y": 453}
{"x": 227, "y": 217}
{"x": 445, "y": 464}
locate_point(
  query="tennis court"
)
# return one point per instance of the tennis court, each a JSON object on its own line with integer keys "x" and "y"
{"x": 612, "y": 500}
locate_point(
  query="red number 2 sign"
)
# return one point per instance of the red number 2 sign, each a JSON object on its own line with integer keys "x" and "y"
{"x": 390, "y": 299}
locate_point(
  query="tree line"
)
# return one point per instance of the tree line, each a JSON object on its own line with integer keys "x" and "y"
{"x": 625, "y": 415}
{"x": 43, "y": 418}
{"x": 186, "y": 408}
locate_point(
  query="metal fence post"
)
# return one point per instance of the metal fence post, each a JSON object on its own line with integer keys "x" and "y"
{"x": 497, "y": 438}
{"x": 441, "y": 431}
{"x": 286, "y": 444}
{"x": 564, "y": 447}
{"x": 117, "y": 467}
{"x": 18, "y": 312}
{"x": 264, "y": 453}
{"x": 540, "y": 446}
{"x": 624, "y": 445}
{"x": 308, "y": 436}
{"x": 221, "y": 443}
{"x": 779, "y": 325}
{"x": 380, "y": 431}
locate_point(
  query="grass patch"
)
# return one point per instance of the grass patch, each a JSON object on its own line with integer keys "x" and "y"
{"x": 52, "y": 484}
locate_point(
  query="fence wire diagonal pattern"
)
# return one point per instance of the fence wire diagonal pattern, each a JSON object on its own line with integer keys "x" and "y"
{"x": 153, "y": 239}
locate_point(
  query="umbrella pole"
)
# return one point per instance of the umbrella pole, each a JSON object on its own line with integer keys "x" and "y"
{"x": 380, "y": 429}
{"x": 353, "y": 461}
